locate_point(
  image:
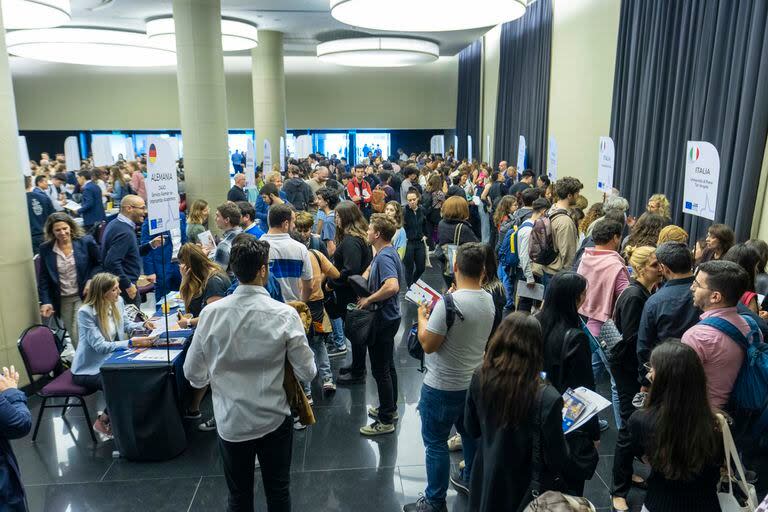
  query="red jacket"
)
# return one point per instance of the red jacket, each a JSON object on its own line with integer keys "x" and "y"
{"x": 355, "y": 189}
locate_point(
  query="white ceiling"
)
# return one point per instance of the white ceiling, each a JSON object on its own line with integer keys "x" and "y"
{"x": 304, "y": 22}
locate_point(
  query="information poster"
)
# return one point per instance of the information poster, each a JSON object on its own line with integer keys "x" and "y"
{"x": 72, "y": 153}
{"x": 267, "y": 157}
{"x": 456, "y": 147}
{"x": 162, "y": 187}
{"x": 521, "y": 153}
{"x": 552, "y": 164}
{"x": 469, "y": 148}
{"x": 437, "y": 145}
{"x": 102, "y": 151}
{"x": 250, "y": 165}
{"x": 488, "y": 149}
{"x": 26, "y": 170}
{"x": 702, "y": 177}
{"x": 605, "y": 162}
{"x": 282, "y": 155}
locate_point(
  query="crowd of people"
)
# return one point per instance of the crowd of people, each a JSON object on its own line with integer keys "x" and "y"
{"x": 542, "y": 293}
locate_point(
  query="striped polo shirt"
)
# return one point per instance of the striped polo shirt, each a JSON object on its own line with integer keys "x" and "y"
{"x": 289, "y": 262}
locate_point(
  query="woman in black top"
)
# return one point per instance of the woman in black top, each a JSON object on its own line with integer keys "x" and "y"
{"x": 568, "y": 362}
{"x": 507, "y": 402}
{"x": 352, "y": 257}
{"x": 493, "y": 285}
{"x": 414, "y": 223}
{"x": 453, "y": 228}
{"x": 432, "y": 201}
{"x": 677, "y": 433}
{"x": 623, "y": 360}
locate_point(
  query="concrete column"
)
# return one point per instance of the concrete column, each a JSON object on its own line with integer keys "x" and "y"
{"x": 202, "y": 101}
{"x": 18, "y": 293}
{"x": 268, "y": 80}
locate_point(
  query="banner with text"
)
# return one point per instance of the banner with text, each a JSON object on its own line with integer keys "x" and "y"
{"x": 521, "y": 152}
{"x": 72, "y": 153}
{"x": 605, "y": 161}
{"x": 487, "y": 156}
{"x": 250, "y": 169}
{"x": 469, "y": 148}
{"x": 267, "y": 158}
{"x": 702, "y": 177}
{"x": 552, "y": 167}
{"x": 282, "y": 154}
{"x": 162, "y": 187}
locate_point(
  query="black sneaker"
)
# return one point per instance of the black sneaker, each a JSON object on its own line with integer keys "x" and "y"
{"x": 422, "y": 505}
{"x": 348, "y": 369}
{"x": 457, "y": 479}
{"x": 337, "y": 352}
{"x": 350, "y": 379}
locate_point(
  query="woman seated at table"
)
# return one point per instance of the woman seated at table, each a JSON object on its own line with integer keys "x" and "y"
{"x": 103, "y": 329}
{"x": 202, "y": 283}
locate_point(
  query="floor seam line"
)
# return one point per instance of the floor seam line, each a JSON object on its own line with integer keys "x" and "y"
{"x": 194, "y": 494}
{"x": 107, "y": 471}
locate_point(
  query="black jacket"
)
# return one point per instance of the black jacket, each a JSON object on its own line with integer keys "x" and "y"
{"x": 414, "y": 223}
{"x": 236, "y": 194}
{"x": 87, "y": 264}
{"x": 629, "y": 309}
{"x": 446, "y": 231}
{"x": 299, "y": 193}
{"x": 352, "y": 257}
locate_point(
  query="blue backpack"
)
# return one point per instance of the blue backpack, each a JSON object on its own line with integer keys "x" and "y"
{"x": 509, "y": 254}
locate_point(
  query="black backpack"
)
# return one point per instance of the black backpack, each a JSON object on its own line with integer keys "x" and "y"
{"x": 414, "y": 346}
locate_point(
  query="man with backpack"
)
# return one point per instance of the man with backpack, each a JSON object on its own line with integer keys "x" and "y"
{"x": 297, "y": 191}
{"x": 452, "y": 356}
{"x": 524, "y": 271}
{"x": 718, "y": 338}
{"x": 555, "y": 237}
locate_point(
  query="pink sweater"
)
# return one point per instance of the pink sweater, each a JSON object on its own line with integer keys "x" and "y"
{"x": 137, "y": 184}
{"x": 607, "y": 276}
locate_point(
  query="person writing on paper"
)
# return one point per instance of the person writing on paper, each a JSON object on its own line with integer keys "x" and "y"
{"x": 677, "y": 433}
{"x": 121, "y": 253}
{"x": 506, "y": 395}
{"x": 103, "y": 328}
{"x": 567, "y": 363}
{"x": 68, "y": 260}
{"x": 253, "y": 418}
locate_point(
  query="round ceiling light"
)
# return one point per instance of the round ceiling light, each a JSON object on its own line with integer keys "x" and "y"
{"x": 89, "y": 46}
{"x": 378, "y": 52}
{"x": 236, "y": 35}
{"x": 426, "y": 15}
{"x": 35, "y": 13}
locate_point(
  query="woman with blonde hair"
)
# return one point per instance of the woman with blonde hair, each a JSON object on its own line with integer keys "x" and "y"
{"x": 672, "y": 233}
{"x": 659, "y": 204}
{"x": 646, "y": 274}
{"x": 103, "y": 329}
{"x": 395, "y": 212}
{"x": 198, "y": 220}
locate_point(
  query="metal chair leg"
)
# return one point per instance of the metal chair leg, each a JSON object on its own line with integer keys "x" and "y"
{"x": 87, "y": 418}
{"x": 39, "y": 418}
{"x": 66, "y": 405}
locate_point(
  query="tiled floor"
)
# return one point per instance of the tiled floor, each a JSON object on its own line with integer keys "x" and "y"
{"x": 334, "y": 467}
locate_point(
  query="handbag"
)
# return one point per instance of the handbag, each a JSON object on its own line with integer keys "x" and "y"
{"x": 609, "y": 338}
{"x": 450, "y": 250}
{"x": 359, "y": 324}
{"x": 742, "y": 496}
{"x": 297, "y": 400}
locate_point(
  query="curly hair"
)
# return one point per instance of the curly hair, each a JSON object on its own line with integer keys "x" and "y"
{"x": 595, "y": 212}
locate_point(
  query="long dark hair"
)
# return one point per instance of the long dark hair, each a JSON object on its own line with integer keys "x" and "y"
{"x": 561, "y": 300}
{"x": 646, "y": 230}
{"x": 747, "y": 257}
{"x": 350, "y": 222}
{"x": 509, "y": 376}
{"x": 687, "y": 437}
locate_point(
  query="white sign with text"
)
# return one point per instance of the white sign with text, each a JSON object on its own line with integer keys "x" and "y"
{"x": 552, "y": 167}
{"x": 162, "y": 187}
{"x": 72, "y": 153}
{"x": 702, "y": 177}
{"x": 606, "y": 156}
{"x": 282, "y": 154}
{"x": 267, "y": 157}
{"x": 521, "y": 150}
{"x": 250, "y": 165}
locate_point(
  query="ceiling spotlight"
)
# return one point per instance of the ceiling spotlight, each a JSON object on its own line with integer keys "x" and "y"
{"x": 426, "y": 15}
{"x": 235, "y": 34}
{"x": 89, "y": 46}
{"x": 378, "y": 52}
{"x": 35, "y": 13}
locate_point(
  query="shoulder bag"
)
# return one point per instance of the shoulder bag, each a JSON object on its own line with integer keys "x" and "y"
{"x": 733, "y": 493}
{"x": 450, "y": 251}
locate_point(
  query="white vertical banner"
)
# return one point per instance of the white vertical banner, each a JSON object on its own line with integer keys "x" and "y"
{"x": 102, "y": 151}
{"x": 24, "y": 157}
{"x": 282, "y": 154}
{"x": 162, "y": 187}
{"x": 456, "y": 147}
{"x": 303, "y": 146}
{"x": 605, "y": 162}
{"x": 437, "y": 145}
{"x": 552, "y": 160}
{"x": 488, "y": 150}
{"x": 72, "y": 153}
{"x": 469, "y": 148}
{"x": 129, "y": 153}
{"x": 267, "y": 157}
{"x": 250, "y": 165}
{"x": 702, "y": 177}
{"x": 521, "y": 152}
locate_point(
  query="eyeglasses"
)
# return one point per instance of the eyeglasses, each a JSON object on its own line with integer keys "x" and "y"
{"x": 696, "y": 284}
{"x": 143, "y": 208}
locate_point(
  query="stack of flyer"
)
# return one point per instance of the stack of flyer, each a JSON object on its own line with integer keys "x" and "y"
{"x": 421, "y": 294}
{"x": 579, "y": 406}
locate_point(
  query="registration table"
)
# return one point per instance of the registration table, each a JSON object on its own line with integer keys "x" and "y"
{"x": 142, "y": 394}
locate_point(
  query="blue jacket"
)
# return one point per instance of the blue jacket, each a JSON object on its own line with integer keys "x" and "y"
{"x": 153, "y": 260}
{"x": 91, "y": 206}
{"x": 262, "y": 209}
{"x": 121, "y": 254}
{"x": 15, "y": 422}
{"x": 87, "y": 263}
{"x": 39, "y": 207}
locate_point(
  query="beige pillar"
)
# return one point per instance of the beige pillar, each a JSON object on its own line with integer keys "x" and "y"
{"x": 268, "y": 80}
{"x": 18, "y": 291}
{"x": 202, "y": 101}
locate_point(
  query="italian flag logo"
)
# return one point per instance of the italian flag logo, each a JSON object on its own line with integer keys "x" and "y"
{"x": 694, "y": 153}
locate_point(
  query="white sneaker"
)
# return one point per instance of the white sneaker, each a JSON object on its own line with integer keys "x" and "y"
{"x": 298, "y": 425}
{"x": 454, "y": 443}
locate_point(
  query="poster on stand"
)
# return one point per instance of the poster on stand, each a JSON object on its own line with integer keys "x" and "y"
{"x": 303, "y": 146}
{"x": 702, "y": 177}
{"x": 162, "y": 187}
{"x": 488, "y": 150}
{"x": 437, "y": 145}
{"x": 282, "y": 155}
{"x": 456, "y": 147}
{"x": 605, "y": 162}
{"x": 552, "y": 167}
{"x": 469, "y": 148}
{"x": 250, "y": 168}
{"x": 267, "y": 157}
{"x": 522, "y": 152}
{"x": 72, "y": 153}
{"x": 102, "y": 151}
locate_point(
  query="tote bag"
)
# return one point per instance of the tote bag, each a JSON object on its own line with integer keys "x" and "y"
{"x": 746, "y": 500}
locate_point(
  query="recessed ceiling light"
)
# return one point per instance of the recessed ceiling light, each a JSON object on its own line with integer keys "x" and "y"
{"x": 426, "y": 15}
{"x": 378, "y": 52}
{"x": 89, "y": 46}
{"x": 235, "y": 34}
{"x": 35, "y": 13}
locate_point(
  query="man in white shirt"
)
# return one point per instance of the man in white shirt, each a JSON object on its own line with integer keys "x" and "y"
{"x": 240, "y": 348}
{"x": 288, "y": 259}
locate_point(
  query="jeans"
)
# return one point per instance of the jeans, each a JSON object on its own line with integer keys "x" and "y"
{"x": 274, "y": 453}
{"x": 383, "y": 368}
{"x": 317, "y": 344}
{"x": 441, "y": 410}
{"x": 509, "y": 283}
{"x": 414, "y": 260}
{"x": 599, "y": 368}
{"x": 338, "y": 332}
{"x": 627, "y": 386}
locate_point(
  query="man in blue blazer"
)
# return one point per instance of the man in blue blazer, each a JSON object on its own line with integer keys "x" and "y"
{"x": 91, "y": 205}
{"x": 15, "y": 422}
{"x": 166, "y": 278}
{"x": 120, "y": 251}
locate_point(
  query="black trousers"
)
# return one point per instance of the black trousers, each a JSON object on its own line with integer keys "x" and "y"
{"x": 383, "y": 367}
{"x": 524, "y": 303}
{"x": 414, "y": 260}
{"x": 627, "y": 386}
{"x": 274, "y": 453}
